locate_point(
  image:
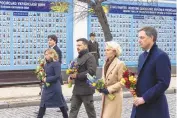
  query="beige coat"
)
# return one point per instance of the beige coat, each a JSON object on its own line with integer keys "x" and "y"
{"x": 113, "y": 109}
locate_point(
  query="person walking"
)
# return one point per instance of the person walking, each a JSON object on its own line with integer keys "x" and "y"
{"x": 82, "y": 93}
{"x": 52, "y": 95}
{"x": 154, "y": 75}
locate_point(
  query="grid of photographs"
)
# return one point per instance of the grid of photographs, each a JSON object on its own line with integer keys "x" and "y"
{"x": 5, "y": 39}
{"x": 23, "y": 38}
{"x": 124, "y": 29}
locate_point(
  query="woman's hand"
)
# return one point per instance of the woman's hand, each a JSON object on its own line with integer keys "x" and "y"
{"x": 104, "y": 90}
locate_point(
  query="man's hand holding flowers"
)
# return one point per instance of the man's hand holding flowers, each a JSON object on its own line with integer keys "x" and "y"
{"x": 73, "y": 76}
{"x": 129, "y": 81}
{"x": 72, "y": 72}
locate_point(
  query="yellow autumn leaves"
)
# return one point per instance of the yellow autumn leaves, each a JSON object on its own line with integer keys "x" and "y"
{"x": 59, "y": 7}
{"x": 105, "y": 9}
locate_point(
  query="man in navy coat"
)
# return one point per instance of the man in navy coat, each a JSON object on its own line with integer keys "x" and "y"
{"x": 154, "y": 74}
{"x": 52, "y": 41}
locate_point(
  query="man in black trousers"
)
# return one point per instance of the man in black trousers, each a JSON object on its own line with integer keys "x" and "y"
{"x": 82, "y": 92}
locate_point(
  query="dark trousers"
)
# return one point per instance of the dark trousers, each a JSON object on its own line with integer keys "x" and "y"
{"x": 43, "y": 109}
{"x": 76, "y": 102}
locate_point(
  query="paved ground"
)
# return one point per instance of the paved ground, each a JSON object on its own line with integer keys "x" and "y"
{"x": 28, "y": 112}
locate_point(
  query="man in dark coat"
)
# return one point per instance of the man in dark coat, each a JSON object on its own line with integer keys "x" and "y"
{"x": 93, "y": 47}
{"x": 82, "y": 93}
{"x": 52, "y": 41}
{"x": 154, "y": 75}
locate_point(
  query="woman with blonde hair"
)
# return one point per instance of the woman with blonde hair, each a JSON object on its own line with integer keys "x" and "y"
{"x": 111, "y": 74}
{"x": 52, "y": 95}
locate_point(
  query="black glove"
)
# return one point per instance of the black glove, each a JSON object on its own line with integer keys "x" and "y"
{"x": 105, "y": 91}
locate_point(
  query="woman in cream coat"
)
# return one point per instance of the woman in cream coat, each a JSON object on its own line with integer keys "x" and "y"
{"x": 111, "y": 74}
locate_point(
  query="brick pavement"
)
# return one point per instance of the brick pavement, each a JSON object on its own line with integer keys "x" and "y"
{"x": 28, "y": 112}
{"x": 28, "y": 95}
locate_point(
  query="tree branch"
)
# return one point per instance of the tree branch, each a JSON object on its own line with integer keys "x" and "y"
{"x": 102, "y": 1}
{"x": 75, "y": 4}
{"x": 81, "y": 16}
{"x": 85, "y": 1}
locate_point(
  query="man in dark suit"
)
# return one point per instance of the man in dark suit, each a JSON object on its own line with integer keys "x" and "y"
{"x": 93, "y": 47}
{"x": 52, "y": 41}
{"x": 154, "y": 75}
{"x": 82, "y": 93}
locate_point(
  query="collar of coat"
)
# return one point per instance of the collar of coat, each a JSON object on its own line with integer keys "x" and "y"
{"x": 53, "y": 46}
{"x": 81, "y": 53}
{"x": 112, "y": 66}
{"x": 154, "y": 47}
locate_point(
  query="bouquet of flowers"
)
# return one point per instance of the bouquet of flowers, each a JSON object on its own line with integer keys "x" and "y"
{"x": 72, "y": 69}
{"x": 97, "y": 84}
{"x": 129, "y": 81}
{"x": 40, "y": 71}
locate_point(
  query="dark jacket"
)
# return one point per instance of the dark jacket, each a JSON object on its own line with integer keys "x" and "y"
{"x": 57, "y": 49}
{"x": 94, "y": 48}
{"x": 52, "y": 96}
{"x": 86, "y": 64}
{"x": 154, "y": 75}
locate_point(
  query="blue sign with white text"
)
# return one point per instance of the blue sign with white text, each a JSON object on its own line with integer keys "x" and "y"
{"x": 37, "y": 6}
{"x": 142, "y": 10}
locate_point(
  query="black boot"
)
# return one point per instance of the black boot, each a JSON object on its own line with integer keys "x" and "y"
{"x": 66, "y": 109}
{"x": 41, "y": 112}
{"x": 64, "y": 112}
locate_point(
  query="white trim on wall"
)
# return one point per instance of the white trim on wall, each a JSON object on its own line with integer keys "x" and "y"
{"x": 80, "y": 27}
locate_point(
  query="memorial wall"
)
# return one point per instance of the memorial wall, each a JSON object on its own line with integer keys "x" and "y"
{"x": 125, "y": 18}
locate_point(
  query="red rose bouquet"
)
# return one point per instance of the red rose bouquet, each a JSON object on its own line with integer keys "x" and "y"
{"x": 129, "y": 81}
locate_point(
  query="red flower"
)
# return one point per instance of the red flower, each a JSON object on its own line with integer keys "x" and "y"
{"x": 126, "y": 79}
{"x": 125, "y": 74}
{"x": 42, "y": 65}
{"x": 127, "y": 84}
{"x": 42, "y": 70}
{"x": 132, "y": 74}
